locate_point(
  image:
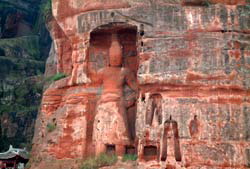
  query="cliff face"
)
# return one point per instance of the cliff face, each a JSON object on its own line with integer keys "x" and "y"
{"x": 22, "y": 62}
{"x": 191, "y": 62}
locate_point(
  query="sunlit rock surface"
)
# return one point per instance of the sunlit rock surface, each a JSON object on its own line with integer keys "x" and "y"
{"x": 191, "y": 60}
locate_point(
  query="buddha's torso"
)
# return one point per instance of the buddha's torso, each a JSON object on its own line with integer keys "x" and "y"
{"x": 113, "y": 81}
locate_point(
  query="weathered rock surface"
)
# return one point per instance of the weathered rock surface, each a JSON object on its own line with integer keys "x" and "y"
{"x": 192, "y": 62}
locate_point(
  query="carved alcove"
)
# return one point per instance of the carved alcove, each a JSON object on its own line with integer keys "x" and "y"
{"x": 100, "y": 40}
{"x": 110, "y": 149}
{"x": 130, "y": 150}
{"x": 154, "y": 109}
{"x": 150, "y": 152}
{"x": 98, "y": 58}
{"x": 171, "y": 133}
{"x": 150, "y": 143}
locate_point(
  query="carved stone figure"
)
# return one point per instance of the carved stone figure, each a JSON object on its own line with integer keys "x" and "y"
{"x": 170, "y": 135}
{"x": 110, "y": 124}
{"x": 154, "y": 109}
{"x": 194, "y": 126}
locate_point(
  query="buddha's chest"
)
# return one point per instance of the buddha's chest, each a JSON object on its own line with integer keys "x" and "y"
{"x": 115, "y": 75}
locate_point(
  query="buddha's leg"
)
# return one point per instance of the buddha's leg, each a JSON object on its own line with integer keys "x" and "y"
{"x": 100, "y": 148}
{"x": 99, "y": 130}
{"x": 123, "y": 113}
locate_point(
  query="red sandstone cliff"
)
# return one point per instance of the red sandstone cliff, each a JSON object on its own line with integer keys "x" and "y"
{"x": 192, "y": 61}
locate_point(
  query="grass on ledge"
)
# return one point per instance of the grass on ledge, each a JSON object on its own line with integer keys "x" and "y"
{"x": 56, "y": 77}
{"x": 99, "y": 161}
{"x": 129, "y": 157}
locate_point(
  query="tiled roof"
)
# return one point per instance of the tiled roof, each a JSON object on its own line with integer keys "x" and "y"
{"x": 12, "y": 152}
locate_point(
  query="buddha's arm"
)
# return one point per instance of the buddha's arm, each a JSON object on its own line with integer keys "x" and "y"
{"x": 99, "y": 77}
{"x": 131, "y": 80}
{"x": 96, "y": 76}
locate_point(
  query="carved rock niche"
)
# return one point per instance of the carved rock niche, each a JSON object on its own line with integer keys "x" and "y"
{"x": 100, "y": 40}
{"x": 98, "y": 58}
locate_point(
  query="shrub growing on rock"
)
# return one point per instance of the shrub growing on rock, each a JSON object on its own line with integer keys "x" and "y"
{"x": 99, "y": 161}
{"x": 51, "y": 127}
{"x": 56, "y": 77}
{"x": 129, "y": 157}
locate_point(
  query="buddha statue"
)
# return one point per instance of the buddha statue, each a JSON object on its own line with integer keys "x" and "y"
{"x": 110, "y": 123}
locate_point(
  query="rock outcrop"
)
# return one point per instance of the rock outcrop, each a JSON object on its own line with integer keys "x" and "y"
{"x": 190, "y": 107}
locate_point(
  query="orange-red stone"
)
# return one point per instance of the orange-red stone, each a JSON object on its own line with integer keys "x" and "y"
{"x": 196, "y": 58}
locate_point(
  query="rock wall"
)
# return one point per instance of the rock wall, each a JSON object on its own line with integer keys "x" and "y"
{"x": 192, "y": 63}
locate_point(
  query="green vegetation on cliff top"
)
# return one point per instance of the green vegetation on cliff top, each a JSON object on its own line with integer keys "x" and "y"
{"x": 22, "y": 63}
{"x": 44, "y": 16}
{"x": 25, "y": 47}
{"x": 46, "y": 10}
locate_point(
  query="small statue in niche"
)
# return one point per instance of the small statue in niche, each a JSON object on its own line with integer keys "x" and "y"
{"x": 170, "y": 135}
{"x": 155, "y": 109}
{"x": 194, "y": 126}
{"x": 110, "y": 124}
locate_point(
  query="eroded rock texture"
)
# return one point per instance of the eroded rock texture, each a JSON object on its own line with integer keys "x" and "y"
{"x": 190, "y": 107}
